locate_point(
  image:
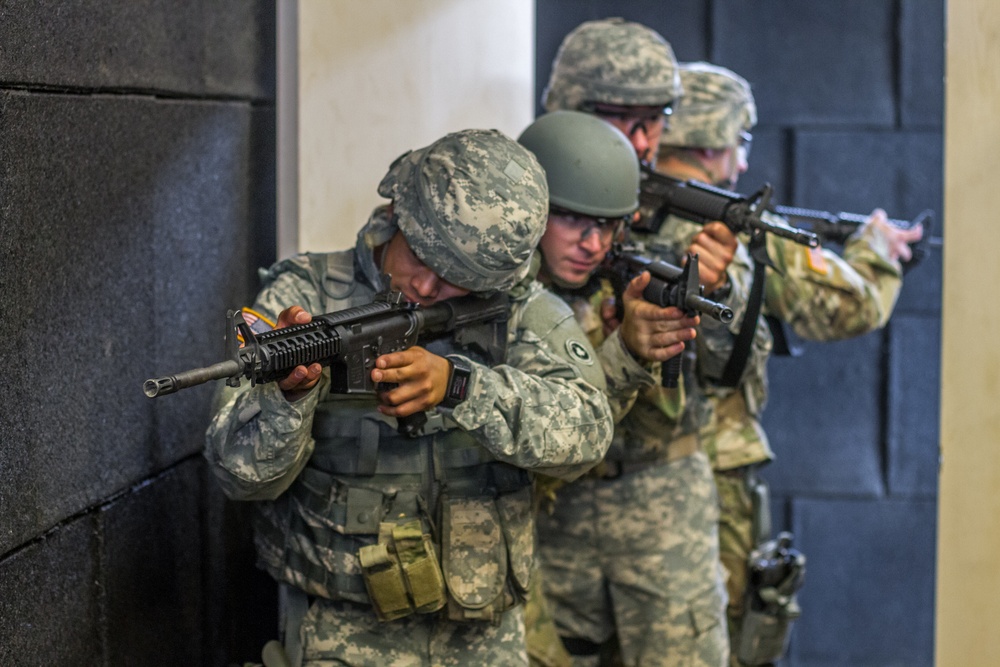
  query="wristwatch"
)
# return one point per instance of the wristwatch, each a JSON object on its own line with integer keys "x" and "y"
{"x": 458, "y": 381}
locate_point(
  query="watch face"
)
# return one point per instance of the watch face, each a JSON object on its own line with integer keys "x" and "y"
{"x": 579, "y": 352}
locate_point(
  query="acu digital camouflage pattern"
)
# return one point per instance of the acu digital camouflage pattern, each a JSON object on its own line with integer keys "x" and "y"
{"x": 717, "y": 105}
{"x": 535, "y": 411}
{"x": 638, "y": 555}
{"x": 472, "y": 206}
{"x": 338, "y": 634}
{"x": 612, "y": 61}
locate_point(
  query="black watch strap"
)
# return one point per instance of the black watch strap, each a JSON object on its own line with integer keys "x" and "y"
{"x": 458, "y": 381}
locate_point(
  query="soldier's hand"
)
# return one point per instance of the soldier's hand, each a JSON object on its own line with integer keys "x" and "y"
{"x": 302, "y": 378}
{"x": 609, "y": 316}
{"x": 650, "y": 332}
{"x": 715, "y": 246}
{"x": 899, "y": 239}
{"x": 421, "y": 378}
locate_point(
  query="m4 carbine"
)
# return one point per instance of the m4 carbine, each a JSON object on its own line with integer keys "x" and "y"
{"x": 349, "y": 341}
{"x": 661, "y": 195}
{"x": 669, "y": 285}
{"x": 837, "y": 227}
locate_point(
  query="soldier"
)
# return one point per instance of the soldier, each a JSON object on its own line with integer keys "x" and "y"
{"x": 821, "y": 295}
{"x": 593, "y": 176}
{"x": 663, "y": 592}
{"x": 391, "y": 549}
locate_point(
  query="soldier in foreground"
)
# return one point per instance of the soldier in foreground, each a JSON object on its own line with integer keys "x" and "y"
{"x": 417, "y": 549}
{"x": 821, "y": 295}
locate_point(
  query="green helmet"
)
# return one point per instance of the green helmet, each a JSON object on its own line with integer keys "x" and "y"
{"x": 590, "y": 165}
{"x": 472, "y": 206}
{"x": 612, "y": 61}
{"x": 717, "y": 106}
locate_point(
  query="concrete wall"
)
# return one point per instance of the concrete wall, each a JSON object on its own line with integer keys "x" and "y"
{"x": 381, "y": 77}
{"x": 850, "y": 99}
{"x": 136, "y": 198}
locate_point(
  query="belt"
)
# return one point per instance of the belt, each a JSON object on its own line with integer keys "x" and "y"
{"x": 679, "y": 448}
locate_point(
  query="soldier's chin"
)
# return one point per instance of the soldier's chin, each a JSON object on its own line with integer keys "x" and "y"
{"x": 570, "y": 282}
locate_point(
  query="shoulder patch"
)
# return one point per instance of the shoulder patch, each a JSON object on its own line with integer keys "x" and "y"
{"x": 578, "y": 352}
{"x": 257, "y": 322}
{"x": 817, "y": 262}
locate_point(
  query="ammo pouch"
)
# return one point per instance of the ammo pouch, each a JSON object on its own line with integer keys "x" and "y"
{"x": 487, "y": 553}
{"x": 776, "y": 572}
{"x": 401, "y": 571}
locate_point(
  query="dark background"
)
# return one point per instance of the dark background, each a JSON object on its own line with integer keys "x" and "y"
{"x": 850, "y": 102}
{"x": 137, "y": 199}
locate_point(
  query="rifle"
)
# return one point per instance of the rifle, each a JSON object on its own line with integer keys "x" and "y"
{"x": 669, "y": 285}
{"x": 661, "y": 195}
{"x": 837, "y": 227}
{"x": 348, "y": 342}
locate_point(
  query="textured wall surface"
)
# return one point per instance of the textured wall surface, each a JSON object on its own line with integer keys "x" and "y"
{"x": 136, "y": 197}
{"x": 850, "y": 99}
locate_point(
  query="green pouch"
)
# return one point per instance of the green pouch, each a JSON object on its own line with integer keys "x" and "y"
{"x": 401, "y": 571}
{"x": 421, "y": 570}
{"x": 384, "y": 580}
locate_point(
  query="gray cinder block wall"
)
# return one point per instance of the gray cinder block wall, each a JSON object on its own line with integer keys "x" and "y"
{"x": 850, "y": 99}
{"x": 136, "y": 199}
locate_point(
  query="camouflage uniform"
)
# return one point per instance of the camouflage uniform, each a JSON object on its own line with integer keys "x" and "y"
{"x": 631, "y": 550}
{"x": 346, "y": 510}
{"x": 822, "y": 295}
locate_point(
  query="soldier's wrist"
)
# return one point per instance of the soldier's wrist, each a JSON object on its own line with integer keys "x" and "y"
{"x": 459, "y": 379}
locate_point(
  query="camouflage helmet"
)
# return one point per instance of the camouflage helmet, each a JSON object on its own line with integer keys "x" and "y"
{"x": 612, "y": 61}
{"x": 717, "y": 106}
{"x": 590, "y": 165}
{"x": 472, "y": 207}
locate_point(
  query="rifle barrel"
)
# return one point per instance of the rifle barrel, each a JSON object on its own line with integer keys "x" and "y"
{"x": 712, "y": 308}
{"x": 168, "y": 384}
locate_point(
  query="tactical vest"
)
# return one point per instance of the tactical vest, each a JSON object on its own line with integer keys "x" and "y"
{"x": 408, "y": 525}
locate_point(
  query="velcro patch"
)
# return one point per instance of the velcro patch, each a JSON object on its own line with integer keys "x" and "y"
{"x": 817, "y": 262}
{"x": 257, "y": 322}
{"x": 578, "y": 352}
{"x": 514, "y": 171}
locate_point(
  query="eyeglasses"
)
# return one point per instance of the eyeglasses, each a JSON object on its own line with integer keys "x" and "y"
{"x": 606, "y": 228}
{"x": 745, "y": 143}
{"x": 629, "y": 118}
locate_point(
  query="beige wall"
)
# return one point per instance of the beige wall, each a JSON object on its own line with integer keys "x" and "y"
{"x": 968, "y": 581}
{"x": 378, "y": 77}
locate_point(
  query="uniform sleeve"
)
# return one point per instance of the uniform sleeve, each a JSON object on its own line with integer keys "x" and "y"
{"x": 826, "y": 297}
{"x": 716, "y": 340}
{"x": 624, "y": 374}
{"x": 258, "y": 442}
{"x": 545, "y": 408}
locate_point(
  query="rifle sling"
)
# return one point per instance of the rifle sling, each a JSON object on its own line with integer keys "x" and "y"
{"x": 744, "y": 339}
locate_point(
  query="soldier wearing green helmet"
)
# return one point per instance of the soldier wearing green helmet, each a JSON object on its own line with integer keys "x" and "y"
{"x": 663, "y": 603}
{"x": 593, "y": 177}
{"x": 418, "y": 548}
{"x": 821, "y": 295}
